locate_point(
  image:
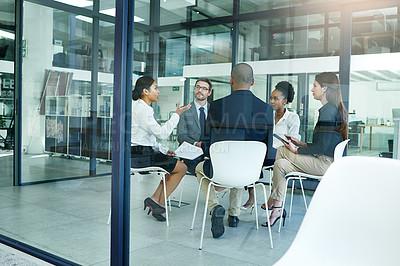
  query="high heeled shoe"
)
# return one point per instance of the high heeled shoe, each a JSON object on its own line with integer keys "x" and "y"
{"x": 155, "y": 209}
{"x": 283, "y": 217}
{"x": 244, "y": 208}
{"x": 263, "y": 207}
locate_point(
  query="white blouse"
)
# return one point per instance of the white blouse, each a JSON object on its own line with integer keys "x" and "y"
{"x": 289, "y": 124}
{"x": 145, "y": 128}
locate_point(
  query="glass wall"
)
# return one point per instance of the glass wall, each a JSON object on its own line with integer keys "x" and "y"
{"x": 67, "y": 116}
{"x": 374, "y": 88}
{"x": 290, "y": 36}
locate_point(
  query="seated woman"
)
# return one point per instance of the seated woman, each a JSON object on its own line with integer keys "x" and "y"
{"x": 286, "y": 122}
{"x": 311, "y": 158}
{"x": 145, "y": 150}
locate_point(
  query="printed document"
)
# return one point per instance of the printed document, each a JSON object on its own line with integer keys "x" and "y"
{"x": 188, "y": 151}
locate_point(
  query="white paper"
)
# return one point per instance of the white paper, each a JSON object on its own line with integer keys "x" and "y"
{"x": 188, "y": 151}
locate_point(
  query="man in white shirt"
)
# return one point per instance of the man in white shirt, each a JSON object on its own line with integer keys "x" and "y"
{"x": 192, "y": 122}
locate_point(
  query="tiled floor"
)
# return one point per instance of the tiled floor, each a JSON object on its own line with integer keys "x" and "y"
{"x": 69, "y": 218}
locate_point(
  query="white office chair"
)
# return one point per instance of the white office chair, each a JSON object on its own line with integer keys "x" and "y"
{"x": 160, "y": 172}
{"x": 338, "y": 153}
{"x": 359, "y": 227}
{"x": 235, "y": 164}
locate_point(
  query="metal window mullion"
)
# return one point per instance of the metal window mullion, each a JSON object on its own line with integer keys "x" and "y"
{"x": 121, "y": 125}
{"x": 93, "y": 97}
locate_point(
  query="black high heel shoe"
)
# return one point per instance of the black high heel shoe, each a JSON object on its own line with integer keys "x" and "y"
{"x": 155, "y": 209}
{"x": 283, "y": 217}
{"x": 263, "y": 207}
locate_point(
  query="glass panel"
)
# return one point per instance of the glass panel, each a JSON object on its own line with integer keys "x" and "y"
{"x": 140, "y": 51}
{"x": 174, "y": 11}
{"x": 142, "y": 7}
{"x": 376, "y": 31}
{"x": 7, "y": 89}
{"x": 72, "y": 38}
{"x": 173, "y": 53}
{"x": 212, "y": 9}
{"x": 106, "y": 47}
{"x": 373, "y": 95}
{"x": 288, "y": 37}
{"x": 211, "y": 45}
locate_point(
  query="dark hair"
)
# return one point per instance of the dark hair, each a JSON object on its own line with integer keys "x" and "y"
{"x": 286, "y": 89}
{"x": 204, "y": 80}
{"x": 334, "y": 96}
{"x": 144, "y": 82}
{"x": 242, "y": 74}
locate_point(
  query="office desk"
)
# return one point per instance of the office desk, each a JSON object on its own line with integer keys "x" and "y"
{"x": 370, "y": 134}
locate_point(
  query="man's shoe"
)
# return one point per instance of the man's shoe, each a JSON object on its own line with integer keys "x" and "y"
{"x": 217, "y": 221}
{"x": 233, "y": 221}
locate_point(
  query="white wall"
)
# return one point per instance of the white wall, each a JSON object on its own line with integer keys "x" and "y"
{"x": 366, "y": 101}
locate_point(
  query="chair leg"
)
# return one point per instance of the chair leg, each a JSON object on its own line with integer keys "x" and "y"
{"x": 180, "y": 197}
{"x": 205, "y": 215}
{"x": 255, "y": 203}
{"x": 291, "y": 199}
{"x": 266, "y": 211}
{"x": 283, "y": 204}
{"x": 165, "y": 198}
{"x": 270, "y": 182}
{"x": 197, "y": 201}
{"x": 304, "y": 196}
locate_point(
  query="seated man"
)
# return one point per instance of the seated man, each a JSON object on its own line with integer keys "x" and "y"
{"x": 191, "y": 124}
{"x": 238, "y": 116}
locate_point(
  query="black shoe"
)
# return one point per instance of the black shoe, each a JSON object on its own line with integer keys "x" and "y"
{"x": 217, "y": 221}
{"x": 233, "y": 221}
{"x": 155, "y": 209}
{"x": 283, "y": 218}
{"x": 159, "y": 217}
{"x": 153, "y": 206}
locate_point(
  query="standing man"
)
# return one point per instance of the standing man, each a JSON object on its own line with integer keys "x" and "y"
{"x": 238, "y": 116}
{"x": 191, "y": 125}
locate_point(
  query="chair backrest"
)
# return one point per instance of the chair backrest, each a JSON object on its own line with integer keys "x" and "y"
{"x": 339, "y": 149}
{"x": 347, "y": 222}
{"x": 237, "y": 163}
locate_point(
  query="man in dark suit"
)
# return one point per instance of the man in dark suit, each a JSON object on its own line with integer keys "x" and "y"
{"x": 238, "y": 116}
{"x": 191, "y": 124}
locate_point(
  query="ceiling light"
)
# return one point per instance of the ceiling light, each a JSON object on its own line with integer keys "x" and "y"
{"x": 111, "y": 12}
{"x": 78, "y": 3}
{"x": 7, "y": 34}
{"x": 83, "y": 18}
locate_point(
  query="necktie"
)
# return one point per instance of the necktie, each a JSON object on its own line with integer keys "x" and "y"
{"x": 202, "y": 121}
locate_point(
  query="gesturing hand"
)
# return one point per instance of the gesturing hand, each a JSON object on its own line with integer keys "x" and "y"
{"x": 180, "y": 110}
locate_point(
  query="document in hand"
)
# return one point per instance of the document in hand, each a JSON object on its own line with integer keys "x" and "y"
{"x": 188, "y": 151}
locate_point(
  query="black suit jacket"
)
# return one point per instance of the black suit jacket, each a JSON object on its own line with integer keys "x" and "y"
{"x": 239, "y": 116}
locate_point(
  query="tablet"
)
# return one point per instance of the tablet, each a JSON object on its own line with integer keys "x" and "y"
{"x": 281, "y": 139}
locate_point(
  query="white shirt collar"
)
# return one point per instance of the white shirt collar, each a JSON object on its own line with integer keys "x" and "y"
{"x": 198, "y": 106}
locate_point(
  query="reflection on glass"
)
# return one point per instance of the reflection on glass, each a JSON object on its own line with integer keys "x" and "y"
{"x": 375, "y": 31}
{"x": 210, "y": 45}
{"x": 211, "y": 9}
{"x": 174, "y": 11}
{"x": 288, "y": 37}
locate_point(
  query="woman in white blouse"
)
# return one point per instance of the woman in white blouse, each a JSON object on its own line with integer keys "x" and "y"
{"x": 146, "y": 151}
{"x": 286, "y": 122}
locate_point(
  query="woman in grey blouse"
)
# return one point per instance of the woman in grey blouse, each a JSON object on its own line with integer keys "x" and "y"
{"x": 315, "y": 157}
